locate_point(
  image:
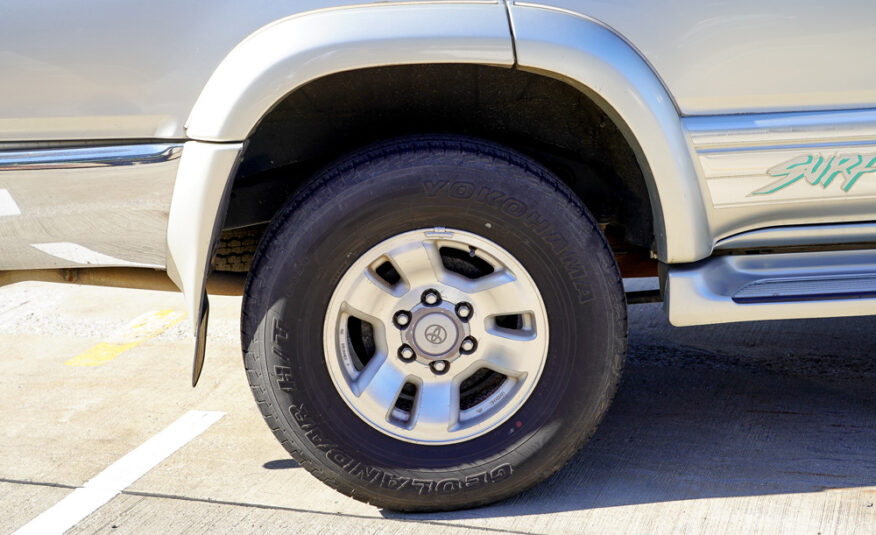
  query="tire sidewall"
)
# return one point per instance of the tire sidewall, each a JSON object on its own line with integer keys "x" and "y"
{"x": 312, "y": 246}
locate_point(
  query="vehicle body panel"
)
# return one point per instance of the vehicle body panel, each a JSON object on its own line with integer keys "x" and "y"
{"x": 274, "y": 61}
{"x": 747, "y": 56}
{"x": 801, "y": 236}
{"x": 94, "y": 206}
{"x": 597, "y": 61}
{"x": 785, "y": 169}
{"x": 816, "y": 284}
{"x": 135, "y": 71}
{"x": 114, "y": 70}
{"x": 196, "y": 214}
{"x": 695, "y": 87}
{"x": 735, "y": 157}
{"x": 279, "y": 58}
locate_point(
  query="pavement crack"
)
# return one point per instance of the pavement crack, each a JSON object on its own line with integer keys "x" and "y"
{"x": 480, "y": 529}
{"x": 37, "y": 483}
{"x": 13, "y": 307}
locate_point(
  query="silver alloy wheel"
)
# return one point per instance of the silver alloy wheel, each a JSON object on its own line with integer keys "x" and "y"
{"x": 453, "y": 354}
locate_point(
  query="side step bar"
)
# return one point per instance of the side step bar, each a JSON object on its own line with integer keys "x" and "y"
{"x": 731, "y": 288}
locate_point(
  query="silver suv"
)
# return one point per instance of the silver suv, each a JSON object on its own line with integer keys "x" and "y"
{"x": 429, "y": 206}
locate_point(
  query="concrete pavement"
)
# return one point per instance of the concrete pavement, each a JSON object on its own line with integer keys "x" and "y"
{"x": 746, "y": 428}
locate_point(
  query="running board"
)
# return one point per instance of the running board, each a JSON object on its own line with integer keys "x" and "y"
{"x": 731, "y": 288}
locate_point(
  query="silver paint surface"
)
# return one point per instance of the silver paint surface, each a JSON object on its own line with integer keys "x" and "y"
{"x": 131, "y": 71}
{"x": 283, "y": 56}
{"x": 596, "y": 61}
{"x": 736, "y": 153}
{"x": 102, "y": 203}
{"x": 108, "y": 69}
{"x": 198, "y": 191}
{"x": 128, "y": 70}
{"x": 749, "y": 55}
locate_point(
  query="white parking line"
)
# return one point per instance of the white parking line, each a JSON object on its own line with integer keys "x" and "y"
{"x": 119, "y": 475}
{"x": 7, "y": 204}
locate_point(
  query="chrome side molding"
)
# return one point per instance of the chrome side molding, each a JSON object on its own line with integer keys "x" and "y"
{"x": 716, "y": 133}
{"x": 100, "y": 156}
{"x": 69, "y": 207}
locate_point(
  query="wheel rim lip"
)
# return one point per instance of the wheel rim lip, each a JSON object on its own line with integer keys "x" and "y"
{"x": 384, "y": 328}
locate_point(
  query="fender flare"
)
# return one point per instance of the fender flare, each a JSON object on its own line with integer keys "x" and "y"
{"x": 274, "y": 61}
{"x": 287, "y": 54}
{"x": 596, "y": 60}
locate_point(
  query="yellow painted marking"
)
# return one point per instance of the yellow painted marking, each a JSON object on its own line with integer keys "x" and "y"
{"x": 135, "y": 333}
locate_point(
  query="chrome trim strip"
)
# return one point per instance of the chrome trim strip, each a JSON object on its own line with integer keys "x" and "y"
{"x": 68, "y": 158}
{"x": 95, "y": 206}
{"x": 814, "y": 145}
{"x": 779, "y": 129}
{"x": 801, "y": 235}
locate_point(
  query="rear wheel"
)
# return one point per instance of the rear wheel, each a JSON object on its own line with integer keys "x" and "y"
{"x": 433, "y": 323}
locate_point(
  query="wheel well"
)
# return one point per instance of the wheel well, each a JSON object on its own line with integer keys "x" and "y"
{"x": 539, "y": 116}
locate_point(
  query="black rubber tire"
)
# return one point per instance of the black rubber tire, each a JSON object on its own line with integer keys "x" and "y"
{"x": 236, "y": 249}
{"x": 423, "y": 182}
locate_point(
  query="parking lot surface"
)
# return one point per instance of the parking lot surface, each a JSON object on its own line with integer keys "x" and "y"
{"x": 745, "y": 428}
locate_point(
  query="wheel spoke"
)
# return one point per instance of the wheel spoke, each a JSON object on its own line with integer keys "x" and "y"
{"x": 511, "y": 355}
{"x": 370, "y": 297}
{"x": 418, "y": 263}
{"x": 405, "y": 302}
{"x": 501, "y": 293}
{"x": 437, "y": 407}
{"x": 378, "y": 386}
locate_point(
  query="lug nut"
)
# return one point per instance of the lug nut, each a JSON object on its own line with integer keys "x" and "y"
{"x": 402, "y": 319}
{"x": 468, "y": 345}
{"x": 406, "y": 353}
{"x": 439, "y": 367}
{"x": 431, "y": 298}
{"x": 463, "y": 311}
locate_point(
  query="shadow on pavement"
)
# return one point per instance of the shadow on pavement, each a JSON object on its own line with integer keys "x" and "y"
{"x": 281, "y": 464}
{"x": 721, "y": 411}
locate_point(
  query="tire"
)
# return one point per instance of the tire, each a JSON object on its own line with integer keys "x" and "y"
{"x": 235, "y": 250}
{"x": 303, "y": 363}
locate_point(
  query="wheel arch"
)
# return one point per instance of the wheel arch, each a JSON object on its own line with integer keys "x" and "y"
{"x": 599, "y": 62}
{"x": 285, "y": 55}
{"x": 272, "y": 62}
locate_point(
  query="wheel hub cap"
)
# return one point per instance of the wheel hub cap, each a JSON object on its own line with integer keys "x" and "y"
{"x": 435, "y": 334}
{"x": 458, "y": 334}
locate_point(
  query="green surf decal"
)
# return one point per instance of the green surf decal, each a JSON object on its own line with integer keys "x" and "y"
{"x": 818, "y": 169}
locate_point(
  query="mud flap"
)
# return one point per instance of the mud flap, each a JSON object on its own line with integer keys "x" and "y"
{"x": 197, "y": 211}
{"x": 200, "y": 340}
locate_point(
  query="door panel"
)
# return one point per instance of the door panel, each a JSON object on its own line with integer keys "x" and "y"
{"x": 785, "y": 169}
{"x": 94, "y": 206}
